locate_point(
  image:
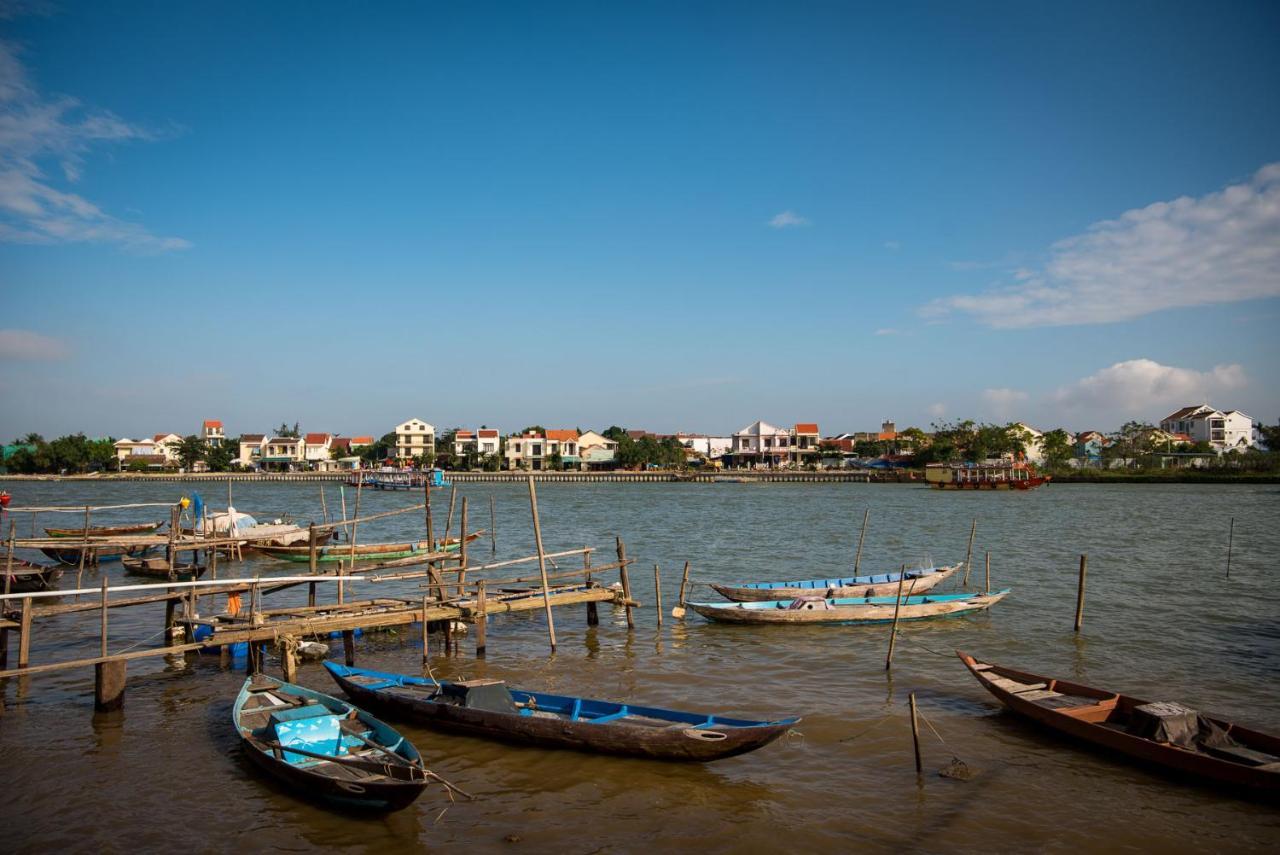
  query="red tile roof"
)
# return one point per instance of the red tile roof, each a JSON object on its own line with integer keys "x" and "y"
{"x": 806, "y": 427}
{"x": 562, "y": 435}
{"x": 464, "y": 434}
{"x": 252, "y": 437}
{"x": 362, "y": 440}
{"x": 486, "y": 433}
{"x": 212, "y": 424}
{"x": 159, "y": 437}
{"x": 317, "y": 438}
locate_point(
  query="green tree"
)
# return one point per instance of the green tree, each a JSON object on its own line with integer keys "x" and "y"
{"x": 1270, "y": 436}
{"x": 221, "y": 457}
{"x": 535, "y": 429}
{"x": 189, "y": 450}
{"x": 1056, "y": 447}
{"x": 285, "y": 431}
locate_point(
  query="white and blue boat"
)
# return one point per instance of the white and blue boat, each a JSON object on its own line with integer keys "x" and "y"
{"x": 916, "y": 581}
{"x": 818, "y": 609}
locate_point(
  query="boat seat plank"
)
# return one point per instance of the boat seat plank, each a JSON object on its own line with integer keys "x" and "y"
{"x": 1038, "y": 694}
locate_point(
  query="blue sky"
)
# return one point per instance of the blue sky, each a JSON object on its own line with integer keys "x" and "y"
{"x": 671, "y": 216}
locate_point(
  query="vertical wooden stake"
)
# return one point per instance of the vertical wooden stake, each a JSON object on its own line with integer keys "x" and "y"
{"x": 482, "y": 619}
{"x": 448, "y": 523}
{"x": 493, "y": 528}
{"x": 657, "y": 592}
{"x": 84, "y": 550}
{"x": 313, "y": 562}
{"x": 24, "y": 634}
{"x": 108, "y": 685}
{"x": 8, "y": 561}
{"x": 1231, "y": 536}
{"x": 542, "y": 563}
{"x": 349, "y": 646}
{"x": 897, "y": 606}
{"x": 968, "y": 558}
{"x": 426, "y": 500}
{"x": 289, "y": 658}
{"x": 354, "y": 527}
{"x": 1084, "y": 571}
{"x": 988, "y": 572}
{"x": 462, "y": 552}
{"x": 324, "y": 509}
{"x": 857, "y": 561}
{"x": 678, "y": 611}
{"x": 915, "y": 733}
{"x": 626, "y": 581}
{"x": 426, "y": 634}
{"x": 593, "y": 613}
{"x": 104, "y": 614}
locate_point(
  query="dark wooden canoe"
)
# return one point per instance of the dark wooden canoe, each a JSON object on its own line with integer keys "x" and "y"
{"x": 487, "y": 708}
{"x": 104, "y": 531}
{"x": 158, "y": 568}
{"x": 29, "y": 576}
{"x": 364, "y": 551}
{"x": 96, "y": 554}
{"x": 324, "y": 748}
{"x": 1211, "y": 751}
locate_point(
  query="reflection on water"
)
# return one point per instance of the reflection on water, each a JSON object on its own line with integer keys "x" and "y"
{"x": 1161, "y": 621}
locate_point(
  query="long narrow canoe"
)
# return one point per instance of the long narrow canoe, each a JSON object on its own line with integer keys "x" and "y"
{"x": 104, "y": 531}
{"x": 363, "y": 551}
{"x": 95, "y": 554}
{"x": 1163, "y": 734}
{"x": 877, "y": 585}
{"x": 324, "y": 748}
{"x": 29, "y": 576}
{"x": 847, "y": 609}
{"x": 488, "y": 708}
{"x": 158, "y": 568}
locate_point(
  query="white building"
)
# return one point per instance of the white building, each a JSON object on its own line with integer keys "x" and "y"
{"x": 525, "y": 451}
{"x": 710, "y": 447}
{"x": 1231, "y": 430}
{"x": 1033, "y": 442}
{"x": 763, "y": 444}
{"x": 211, "y": 432}
{"x": 315, "y": 449}
{"x": 252, "y": 446}
{"x": 415, "y": 438}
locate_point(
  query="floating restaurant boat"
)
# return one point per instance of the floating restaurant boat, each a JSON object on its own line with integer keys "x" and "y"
{"x": 324, "y": 748}
{"x": 365, "y": 551}
{"x": 105, "y": 531}
{"x": 1163, "y": 734}
{"x": 488, "y": 708}
{"x": 29, "y": 576}
{"x": 991, "y": 475}
{"x": 877, "y": 585}
{"x": 158, "y": 567}
{"x": 390, "y": 478}
{"x": 848, "y": 609}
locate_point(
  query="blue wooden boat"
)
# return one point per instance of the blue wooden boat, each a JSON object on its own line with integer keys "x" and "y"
{"x": 875, "y": 585}
{"x": 848, "y": 609}
{"x": 324, "y": 748}
{"x": 488, "y": 708}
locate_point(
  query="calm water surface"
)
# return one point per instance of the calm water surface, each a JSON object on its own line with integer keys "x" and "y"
{"x": 1161, "y": 621}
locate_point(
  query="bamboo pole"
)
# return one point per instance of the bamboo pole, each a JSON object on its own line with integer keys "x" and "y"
{"x": 593, "y": 611}
{"x": 1084, "y": 571}
{"x": 626, "y": 581}
{"x": 968, "y": 558}
{"x": 462, "y": 550}
{"x": 8, "y": 567}
{"x": 84, "y": 551}
{"x": 104, "y": 614}
{"x": 542, "y": 562}
{"x": 426, "y": 635}
{"x": 915, "y": 733}
{"x": 988, "y": 572}
{"x": 679, "y": 611}
{"x": 897, "y": 606}
{"x": 342, "y": 496}
{"x": 857, "y": 561}
{"x": 1231, "y": 536}
{"x": 493, "y": 528}
{"x": 324, "y": 505}
{"x": 482, "y": 619}
{"x": 24, "y": 634}
{"x": 355, "y": 528}
{"x": 448, "y": 523}
{"x": 426, "y": 503}
{"x": 313, "y": 565}
{"x": 657, "y": 589}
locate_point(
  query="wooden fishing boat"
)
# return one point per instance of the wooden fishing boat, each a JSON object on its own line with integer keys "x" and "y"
{"x": 1162, "y": 734}
{"x": 488, "y": 708}
{"x": 29, "y": 576}
{"x": 848, "y": 609}
{"x": 95, "y": 554}
{"x": 324, "y": 748}
{"x": 364, "y": 551}
{"x": 158, "y": 567}
{"x": 105, "y": 531}
{"x": 879, "y": 585}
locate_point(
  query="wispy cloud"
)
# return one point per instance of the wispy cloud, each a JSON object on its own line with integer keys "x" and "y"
{"x": 788, "y": 220}
{"x": 31, "y": 346}
{"x": 937, "y": 410}
{"x": 892, "y": 245}
{"x": 1140, "y": 387}
{"x": 1002, "y": 402}
{"x": 36, "y": 131}
{"x": 887, "y": 331}
{"x": 1219, "y": 248}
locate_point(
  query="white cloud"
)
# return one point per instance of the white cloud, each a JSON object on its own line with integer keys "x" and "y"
{"x": 938, "y": 410}
{"x": 1219, "y": 248}
{"x": 892, "y": 245}
{"x": 36, "y": 131}
{"x": 31, "y": 346}
{"x": 1002, "y": 402}
{"x": 887, "y": 331}
{"x": 1143, "y": 388}
{"x": 788, "y": 220}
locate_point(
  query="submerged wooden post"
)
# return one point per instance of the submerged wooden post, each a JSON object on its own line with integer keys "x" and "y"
{"x": 103, "y": 607}
{"x": 657, "y": 592}
{"x": 108, "y": 685}
{"x": 626, "y": 581}
{"x": 857, "y": 561}
{"x": 482, "y": 619}
{"x": 426, "y": 634}
{"x": 1084, "y": 571}
{"x": 349, "y": 646}
{"x": 170, "y": 606}
{"x": 8, "y": 559}
{"x": 542, "y": 564}
{"x": 1231, "y": 535}
{"x": 678, "y": 611}
{"x": 593, "y": 613}
{"x": 24, "y": 634}
{"x": 988, "y": 572}
{"x": 313, "y": 563}
{"x": 897, "y": 606}
{"x": 493, "y": 528}
{"x": 448, "y": 523}
{"x": 84, "y": 549}
{"x": 968, "y": 558}
{"x": 289, "y": 659}
{"x": 915, "y": 733}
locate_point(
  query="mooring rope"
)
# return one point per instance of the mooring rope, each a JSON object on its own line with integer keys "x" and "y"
{"x": 863, "y": 733}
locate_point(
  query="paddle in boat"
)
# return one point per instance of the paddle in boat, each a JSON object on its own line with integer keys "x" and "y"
{"x": 28, "y": 576}
{"x": 848, "y": 609}
{"x": 878, "y": 585}
{"x": 488, "y": 708}
{"x": 1165, "y": 734}
{"x": 364, "y": 551}
{"x": 158, "y": 567}
{"x": 324, "y": 748}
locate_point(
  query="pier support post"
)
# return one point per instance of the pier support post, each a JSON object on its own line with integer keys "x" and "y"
{"x": 542, "y": 563}
{"x": 289, "y": 658}
{"x": 593, "y": 613}
{"x": 857, "y": 561}
{"x": 482, "y": 620}
{"x": 24, "y": 634}
{"x": 657, "y": 593}
{"x": 626, "y": 581}
{"x": 897, "y": 606}
{"x": 426, "y": 636}
{"x": 108, "y": 685}
{"x": 915, "y": 733}
{"x": 1084, "y": 571}
{"x": 349, "y": 646}
{"x": 968, "y": 558}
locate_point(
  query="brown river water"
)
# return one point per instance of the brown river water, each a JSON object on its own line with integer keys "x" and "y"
{"x": 1161, "y": 622}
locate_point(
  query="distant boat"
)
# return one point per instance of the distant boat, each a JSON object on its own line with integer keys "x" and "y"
{"x": 878, "y": 585}
{"x": 991, "y": 475}
{"x": 847, "y": 610}
{"x": 324, "y": 748}
{"x": 105, "y": 531}
{"x": 29, "y": 576}
{"x": 158, "y": 568}
{"x": 488, "y": 708}
{"x": 1164, "y": 734}
{"x": 364, "y": 551}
